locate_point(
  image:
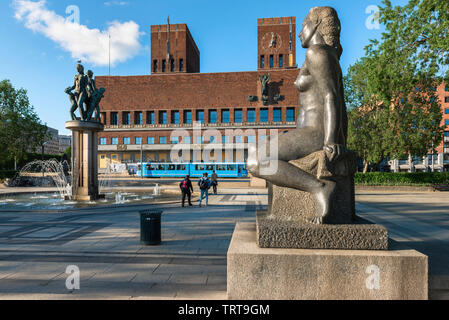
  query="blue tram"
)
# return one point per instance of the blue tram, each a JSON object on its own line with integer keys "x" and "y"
{"x": 195, "y": 170}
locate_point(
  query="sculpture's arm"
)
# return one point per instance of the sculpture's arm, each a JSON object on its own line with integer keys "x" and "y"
{"x": 325, "y": 69}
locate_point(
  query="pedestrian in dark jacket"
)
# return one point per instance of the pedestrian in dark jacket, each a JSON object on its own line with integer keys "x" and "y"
{"x": 204, "y": 184}
{"x": 186, "y": 189}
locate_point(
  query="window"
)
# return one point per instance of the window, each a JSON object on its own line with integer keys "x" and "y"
{"x": 172, "y": 65}
{"x": 262, "y": 62}
{"x": 162, "y": 140}
{"x": 212, "y": 116}
{"x": 138, "y": 118}
{"x": 150, "y": 117}
{"x": 225, "y": 118}
{"x": 200, "y": 116}
{"x": 446, "y": 89}
{"x": 155, "y": 66}
{"x": 187, "y": 117}
{"x": 103, "y": 117}
{"x": 263, "y": 137}
{"x": 150, "y": 140}
{"x": 446, "y": 122}
{"x": 446, "y": 110}
{"x": 164, "y": 66}
{"x": 212, "y": 139}
{"x": 175, "y": 117}
{"x": 126, "y": 140}
{"x": 290, "y": 114}
{"x": 114, "y": 118}
{"x": 446, "y": 133}
{"x": 114, "y": 141}
{"x": 238, "y": 139}
{"x": 271, "y": 61}
{"x": 277, "y": 115}
{"x": 225, "y": 139}
{"x": 138, "y": 140}
{"x": 263, "y": 115}
{"x": 162, "y": 117}
{"x": 187, "y": 140}
{"x": 126, "y": 118}
{"x": 446, "y": 99}
{"x": 174, "y": 140}
{"x": 251, "y": 115}
{"x": 251, "y": 139}
{"x": 199, "y": 140}
{"x": 181, "y": 65}
{"x": 238, "y": 116}
{"x": 281, "y": 61}
{"x": 103, "y": 141}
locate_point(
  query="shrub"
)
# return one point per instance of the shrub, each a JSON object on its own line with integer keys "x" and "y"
{"x": 401, "y": 179}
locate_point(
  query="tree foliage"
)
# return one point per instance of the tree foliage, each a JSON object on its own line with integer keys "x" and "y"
{"x": 21, "y": 130}
{"x": 394, "y": 110}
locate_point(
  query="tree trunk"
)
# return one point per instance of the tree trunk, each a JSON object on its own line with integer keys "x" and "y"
{"x": 365, "y": 166}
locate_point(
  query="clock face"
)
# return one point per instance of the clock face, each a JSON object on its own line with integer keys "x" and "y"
{"x": 271, "y": 42}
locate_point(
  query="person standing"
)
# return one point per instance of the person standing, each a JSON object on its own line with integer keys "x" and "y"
{"x": 186, "y": 189}
{"x": 214, "y": 181}
{"x": 204, "y": 184}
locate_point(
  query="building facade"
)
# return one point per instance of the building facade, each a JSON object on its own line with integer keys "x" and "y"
{"x": 216, "y": 114}
{"x": 64, "y": 143}
{"x": 433, "y": 162}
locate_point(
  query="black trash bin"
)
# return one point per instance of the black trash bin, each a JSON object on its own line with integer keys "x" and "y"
{"x": 150, "y": 227}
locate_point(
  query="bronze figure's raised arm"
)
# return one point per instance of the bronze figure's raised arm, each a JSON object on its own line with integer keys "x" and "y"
{"x": 322, "y": 121}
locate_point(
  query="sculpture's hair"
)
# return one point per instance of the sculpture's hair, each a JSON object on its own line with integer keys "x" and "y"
{"x": 329, "y": 26}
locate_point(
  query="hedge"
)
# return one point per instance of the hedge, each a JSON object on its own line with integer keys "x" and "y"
{"x": 7, "y": 174}
{"x": 401, "y": 179}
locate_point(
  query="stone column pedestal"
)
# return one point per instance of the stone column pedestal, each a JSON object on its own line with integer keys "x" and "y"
{"x": 85, "y": 159}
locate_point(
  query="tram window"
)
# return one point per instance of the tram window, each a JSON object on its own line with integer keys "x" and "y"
{"x": 139, "y": 167}
{"x": 172, "y": 167}
{"x": 181, "y": 167}
{"x": 209, "y": 168}
{"x": 199, "y": 167}
{"x": 150, "y": 167}
{"x": 221, "y": 167}
{"x": 161, "y": 167}
{"x": 231, "y": 167}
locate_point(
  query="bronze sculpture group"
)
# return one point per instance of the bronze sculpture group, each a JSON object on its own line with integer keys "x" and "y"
{"x": 85, "y": 96}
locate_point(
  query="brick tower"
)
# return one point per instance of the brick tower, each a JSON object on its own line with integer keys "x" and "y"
{"x": 276, "y": 43}
{"x": 173, "y": 50}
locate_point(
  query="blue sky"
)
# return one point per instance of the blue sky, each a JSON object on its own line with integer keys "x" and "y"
{"x": 39, "y": 51}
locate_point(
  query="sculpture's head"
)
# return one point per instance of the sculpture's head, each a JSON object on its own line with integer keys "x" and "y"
{"x": 90, "y": 73}
{"x": 102, "y": 90}
{"x": 322, "y": 22}
{"x": 80, "y": 68}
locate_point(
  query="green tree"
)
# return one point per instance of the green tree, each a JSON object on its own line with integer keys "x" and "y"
{"x": 393, "y": 86}
{"x": 21, "y": 129}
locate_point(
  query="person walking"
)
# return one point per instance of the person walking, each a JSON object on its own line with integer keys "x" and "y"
{"x": 187, "y": 190}
{"x": 204, "y": 184}
{"x": 214, "y": 181}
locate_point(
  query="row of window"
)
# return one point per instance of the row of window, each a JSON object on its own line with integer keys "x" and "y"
{"x": 200, "y": 116}
{"x": 171, "y": 64}
{"x": 177, "y": 140}
{"x": 271, "y": 61}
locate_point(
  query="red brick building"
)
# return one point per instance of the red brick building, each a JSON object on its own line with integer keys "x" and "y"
{"x": 144, "y": 115}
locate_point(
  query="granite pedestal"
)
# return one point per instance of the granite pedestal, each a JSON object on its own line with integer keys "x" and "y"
{"x": 297, "y": 274}
{"x": 85, "y": 159}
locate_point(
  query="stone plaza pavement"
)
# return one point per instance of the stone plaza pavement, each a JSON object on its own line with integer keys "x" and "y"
{"x": 36, "y": 248}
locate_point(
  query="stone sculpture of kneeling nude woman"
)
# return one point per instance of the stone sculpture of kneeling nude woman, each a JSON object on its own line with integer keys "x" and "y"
{"x": 322, "y": 122}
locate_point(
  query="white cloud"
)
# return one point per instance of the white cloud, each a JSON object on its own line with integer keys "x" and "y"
{"x": 89, "y": 45}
